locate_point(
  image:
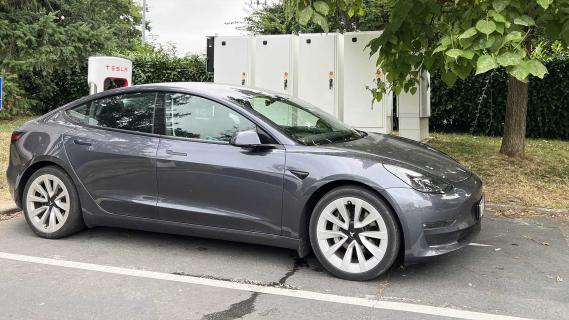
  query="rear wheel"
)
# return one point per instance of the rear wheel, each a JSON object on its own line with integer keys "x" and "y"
{"x": 354, "y": 234}
{"x": 51, "y": 204}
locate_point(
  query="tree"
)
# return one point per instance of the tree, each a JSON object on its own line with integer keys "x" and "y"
{"x": 39, "y": 38}
{"x": 457, "y": 39}
{"x": 273, "y": 19}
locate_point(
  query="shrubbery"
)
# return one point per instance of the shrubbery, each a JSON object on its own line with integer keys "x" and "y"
{"x": 477, "y": 105}
{"x": 163, "y": 66}
{"x": 46, "y": 92}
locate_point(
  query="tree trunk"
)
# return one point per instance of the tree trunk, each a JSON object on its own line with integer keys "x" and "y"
{"x": 513, "y": 142}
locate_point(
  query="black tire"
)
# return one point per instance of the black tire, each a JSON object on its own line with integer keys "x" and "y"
{"x": 394, "y": 232}
{"x": 74, "y": 221}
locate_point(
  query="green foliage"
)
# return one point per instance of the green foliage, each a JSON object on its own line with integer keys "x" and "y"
{"x": 274, "y": 19}
{"x": 459, "y": 38}
{"x": 14, "y": 101}
{"x": 38, "y": 39}
{"x": 164, "y": 66}
{"x": 271, "y": 19}
{"x": 476, "y": 105}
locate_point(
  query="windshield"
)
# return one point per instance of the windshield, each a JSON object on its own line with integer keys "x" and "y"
{"x": 300, "y": 120}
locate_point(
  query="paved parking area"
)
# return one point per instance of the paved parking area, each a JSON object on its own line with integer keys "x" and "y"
{"x": 519, "y": 268}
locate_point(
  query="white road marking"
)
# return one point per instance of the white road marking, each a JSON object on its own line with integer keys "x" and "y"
{"x": 302, "y": 294}
{"x": 479, "y": 244}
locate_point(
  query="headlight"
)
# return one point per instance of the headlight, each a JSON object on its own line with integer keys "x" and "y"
{"x": 419, "y": 181}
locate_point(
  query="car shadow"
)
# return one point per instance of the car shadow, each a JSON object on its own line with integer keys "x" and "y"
{"x": 127, "y": 240}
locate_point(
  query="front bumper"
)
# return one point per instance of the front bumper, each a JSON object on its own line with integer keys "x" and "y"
{"x": 436, "y": 224}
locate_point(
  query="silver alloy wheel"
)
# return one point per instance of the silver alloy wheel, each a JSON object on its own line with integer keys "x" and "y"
{"x": 352, "y": 235}
{"x": 47, "y": 203}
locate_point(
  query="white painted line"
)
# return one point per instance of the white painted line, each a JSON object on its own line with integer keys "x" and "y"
{"x": 302, "y": 294}
{"x": 479, "y": 244}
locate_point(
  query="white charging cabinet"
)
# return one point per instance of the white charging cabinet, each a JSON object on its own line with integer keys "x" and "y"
{"x": 233, "y": 60}
{"x": 319, "y": 76}
{"x": 360, "y": 75}
{"x": 274, "y": 63}
{"x": 414, "y": 110}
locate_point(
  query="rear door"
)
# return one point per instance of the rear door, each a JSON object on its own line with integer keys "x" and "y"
{"x": 203, "y": 180}
{"x": 114, "y": 152}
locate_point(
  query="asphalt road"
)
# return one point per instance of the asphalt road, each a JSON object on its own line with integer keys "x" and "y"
{"x": 519, "y": 268}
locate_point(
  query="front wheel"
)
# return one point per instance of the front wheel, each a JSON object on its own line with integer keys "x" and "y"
{"x": 354, "y": 234}
{"x": 51, "y": 204}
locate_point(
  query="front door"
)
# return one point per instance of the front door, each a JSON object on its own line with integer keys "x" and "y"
{"x": 114, "y": 152}
{"x": 203, "y": 180}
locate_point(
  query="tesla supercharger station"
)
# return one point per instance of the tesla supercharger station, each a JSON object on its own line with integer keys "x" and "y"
{"x": 105, "y": 73}
{"x": 414, "y": 110}
{"x": 331, "y": 71}
{"x": 274, "y": 63}
{"x": 360, "y": 74}
{"x": 319, "y": 71}
{"x": 232, "y": 62}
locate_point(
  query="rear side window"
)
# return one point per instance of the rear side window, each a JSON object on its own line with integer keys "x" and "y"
{"x": 80, "y": 113}
{"x": 133, "y": 112}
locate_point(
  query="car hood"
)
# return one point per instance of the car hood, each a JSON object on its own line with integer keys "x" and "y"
{"x": 412, "y": 153}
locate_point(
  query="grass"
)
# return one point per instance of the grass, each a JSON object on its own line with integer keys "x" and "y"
{"x": 6, "y": 128}
{"x": 539, "y": 180}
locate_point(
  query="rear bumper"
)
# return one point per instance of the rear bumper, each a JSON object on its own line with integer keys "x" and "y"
{"x": 12, "y": 176}
{"x": 435, "y": 224}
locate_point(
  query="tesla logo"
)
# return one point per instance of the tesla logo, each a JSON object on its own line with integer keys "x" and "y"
{"x": 117, "y": 68}
{"x": 352, "y": 234}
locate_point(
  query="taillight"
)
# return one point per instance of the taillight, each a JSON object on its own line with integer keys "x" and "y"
{"x": 16, "y": 135}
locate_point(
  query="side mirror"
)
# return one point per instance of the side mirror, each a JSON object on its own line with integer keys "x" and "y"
{"x": 246, "y": 139}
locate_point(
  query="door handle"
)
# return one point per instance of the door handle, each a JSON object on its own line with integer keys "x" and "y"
{"x": 175, "y": 153}
{"x": 81, "y": 143}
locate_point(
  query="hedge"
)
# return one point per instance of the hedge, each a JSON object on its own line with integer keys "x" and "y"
{"x": 47, "y": 92}
{"x": 477, "y": 105}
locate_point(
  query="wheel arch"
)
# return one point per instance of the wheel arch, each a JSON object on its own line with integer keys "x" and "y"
{"x": 31, "y": 169}
{"x": 305, "y": 246}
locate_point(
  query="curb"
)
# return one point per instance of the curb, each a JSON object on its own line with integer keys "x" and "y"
{"x": 9, "y": 210}
{"x": 538, "y": 209}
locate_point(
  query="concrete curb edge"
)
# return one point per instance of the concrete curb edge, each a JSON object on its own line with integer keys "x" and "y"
{"x": 9, "y": 210}
{"x": 537, "y": 209}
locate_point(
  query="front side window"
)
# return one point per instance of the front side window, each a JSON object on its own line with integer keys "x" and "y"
{"x": 195, "y": 117}
{"x": 301, "y": 121}
{"x": 133, "y": 112}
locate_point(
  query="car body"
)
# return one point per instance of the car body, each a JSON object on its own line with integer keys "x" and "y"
{"x": 146, "y": 178}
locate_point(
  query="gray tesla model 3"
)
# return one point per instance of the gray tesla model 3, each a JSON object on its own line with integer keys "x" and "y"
{"x": 241, "y": 164}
